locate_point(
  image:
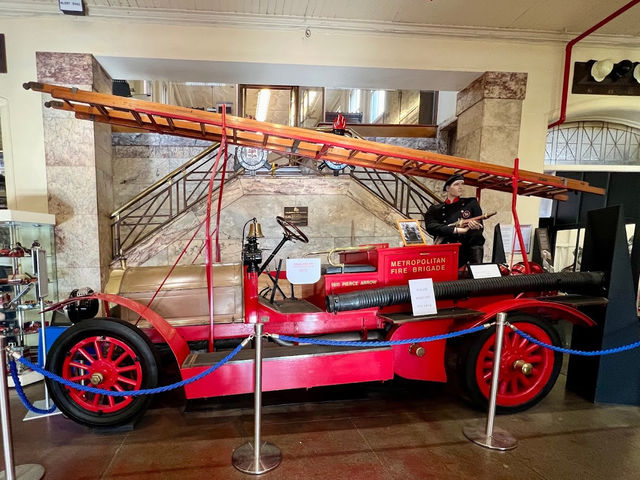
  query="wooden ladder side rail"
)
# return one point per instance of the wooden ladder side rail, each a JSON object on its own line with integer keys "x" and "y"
{"x": 316, "y": 145}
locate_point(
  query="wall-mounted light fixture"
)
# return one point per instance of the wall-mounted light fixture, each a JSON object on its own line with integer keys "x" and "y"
{"x": 600, "y": 69}
{"x": 606, "y": 77}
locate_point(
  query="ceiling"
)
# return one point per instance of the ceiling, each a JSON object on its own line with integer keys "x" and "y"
{"x": 560, "y": 19}
{"x": 532, "y": 20}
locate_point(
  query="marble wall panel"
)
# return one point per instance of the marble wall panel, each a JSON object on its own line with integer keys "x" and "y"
{"x": 101, "y": 80}
{"x": 160, "y": 258}
{"x": 393, "y": 241}
{"x": 328, "y": 185}
{"x": 230, "y": 251}
{"x": 104, "y": 192}
{"x": 384, "y": 230}
{"x": 193, "y": 254}
{"x": 471, "y": 120}
{"x": 71, "y": 191}
{"x": 417, "y": 143}
{"x": 499, "y": 145}
{"x": 506, "y": 85}
{"x": 158, "y": 242}
{"x": 105, "y": 242}
{"x": 375, "y": 207}
{"x": 132, "y": 170}
{"x": 469, "y": 145}
{"x": 70, "y": 278}
{"x": 122, "y": 193}
{"x": 104, "y": 150}
{"x": 511, "y": 85}
{"x": 69, "y": 142}
{"x": 132, "y": 151}
{"x": 65, "y": 68}
{"x": 77, "y": 242}
{"x": 122, "y": 139}
{"x": 501, "y": 112}
{"x": 470, "y": 95}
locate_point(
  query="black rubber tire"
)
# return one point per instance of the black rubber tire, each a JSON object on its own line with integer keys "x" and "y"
{"x": 470, "y": 384}
{"x": 129, "y": 335}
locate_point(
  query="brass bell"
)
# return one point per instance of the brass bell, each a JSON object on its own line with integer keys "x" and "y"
{"x": 255, "y": 230}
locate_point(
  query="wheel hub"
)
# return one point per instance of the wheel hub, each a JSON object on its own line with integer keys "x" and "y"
{"x": 96, "y": 378}
{"x": 525, "y": 367}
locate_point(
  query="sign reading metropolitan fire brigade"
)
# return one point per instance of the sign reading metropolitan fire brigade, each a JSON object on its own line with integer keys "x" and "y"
{"x": 297, "y": 215}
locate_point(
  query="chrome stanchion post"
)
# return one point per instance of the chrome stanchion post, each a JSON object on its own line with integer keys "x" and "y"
{"x": 28, "y": 471}
{"x": 257, "y": 457}
{"x": 42, "y": 291}
{"x": 43, "y": 342}
{"x": 493, "y": 437}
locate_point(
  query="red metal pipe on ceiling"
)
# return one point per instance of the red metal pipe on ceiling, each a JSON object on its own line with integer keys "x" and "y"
{"x": 567, "y": 58}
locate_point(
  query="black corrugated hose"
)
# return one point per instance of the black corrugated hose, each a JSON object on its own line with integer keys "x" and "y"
{"x": 569, "y": 282}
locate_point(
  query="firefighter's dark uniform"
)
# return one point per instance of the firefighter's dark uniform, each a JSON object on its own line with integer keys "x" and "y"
{"x": 438, "y": 219}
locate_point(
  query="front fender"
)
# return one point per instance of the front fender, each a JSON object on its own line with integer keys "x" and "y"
{"x": 175, "y": 341}
{"x": 535, "y": 307}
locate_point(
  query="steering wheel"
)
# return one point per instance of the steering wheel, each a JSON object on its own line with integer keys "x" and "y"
{"x": 291, "y": 230}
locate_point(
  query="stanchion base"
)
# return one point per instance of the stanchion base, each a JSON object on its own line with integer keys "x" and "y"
{"x": 28, "y": 471}
{"x": 500, "y": 440}
{"x": 41, "y": 404}
{"x": 244, "y": 460}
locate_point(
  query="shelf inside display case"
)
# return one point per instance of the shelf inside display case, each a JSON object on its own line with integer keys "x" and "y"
{"x": 27, "y": 244}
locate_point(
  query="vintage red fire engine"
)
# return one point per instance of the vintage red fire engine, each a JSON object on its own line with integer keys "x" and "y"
{"x": 361, "y": 294}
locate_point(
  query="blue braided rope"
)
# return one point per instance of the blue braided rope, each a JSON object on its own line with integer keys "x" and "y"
{"x": 386, "y": 343}
{"x": 585, "y": 353}
{"x": 130, "y": 393}
{"x": 25, "y": 401}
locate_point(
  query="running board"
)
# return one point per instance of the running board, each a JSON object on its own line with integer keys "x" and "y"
{"x": 285, "y": 368}
{"x": 443, "y": 313}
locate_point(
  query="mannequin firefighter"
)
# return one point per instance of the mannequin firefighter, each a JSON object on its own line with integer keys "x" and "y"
{"x": 453, "y": 222}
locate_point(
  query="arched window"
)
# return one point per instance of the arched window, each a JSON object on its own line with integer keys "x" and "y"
{"x": 592, "y": 143}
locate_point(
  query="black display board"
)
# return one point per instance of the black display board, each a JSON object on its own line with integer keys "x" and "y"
{"x": 611, "y": 378}
{"x": 498, "y": 255}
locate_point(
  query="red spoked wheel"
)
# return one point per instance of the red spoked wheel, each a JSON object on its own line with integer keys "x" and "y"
{"x": 103, "y": 362}
{"x": 527, "y": 371}
{"x": 108, "y": 354}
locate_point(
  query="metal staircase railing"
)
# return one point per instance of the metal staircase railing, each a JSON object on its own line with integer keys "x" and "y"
{"x": 406, "y": 195}
{"x": 159, "y": 204}
{"x": 163, "y": 201}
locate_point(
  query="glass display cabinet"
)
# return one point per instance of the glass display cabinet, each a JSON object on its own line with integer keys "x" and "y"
{"x": 27, "y": 244}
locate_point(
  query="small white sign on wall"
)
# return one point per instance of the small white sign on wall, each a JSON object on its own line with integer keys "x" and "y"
{"x": 70, "y": 5}
{"x": 423, "y": 299}
{"x": 303, "y": 271}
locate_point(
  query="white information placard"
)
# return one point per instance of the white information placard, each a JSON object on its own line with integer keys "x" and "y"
{"x": 303, "y": 271}
{"x": 489, "y": 270}
{"x": 509, "y": 238}
{"x": 423, "y": 299}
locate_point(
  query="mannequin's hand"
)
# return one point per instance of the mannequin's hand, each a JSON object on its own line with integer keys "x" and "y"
{"x": 473, "y": 225}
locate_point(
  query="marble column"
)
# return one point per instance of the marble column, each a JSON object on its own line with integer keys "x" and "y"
{"x": 489, "y": 112}
{"x": 79, "y": 175}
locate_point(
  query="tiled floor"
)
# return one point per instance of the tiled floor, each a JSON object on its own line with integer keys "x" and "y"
{"x": 399, "y": 430}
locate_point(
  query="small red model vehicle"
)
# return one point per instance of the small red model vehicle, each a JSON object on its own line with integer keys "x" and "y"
{"x": 363, "y": 297}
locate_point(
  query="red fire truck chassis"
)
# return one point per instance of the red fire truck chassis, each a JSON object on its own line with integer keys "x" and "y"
{"x": 365, "y": 297}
